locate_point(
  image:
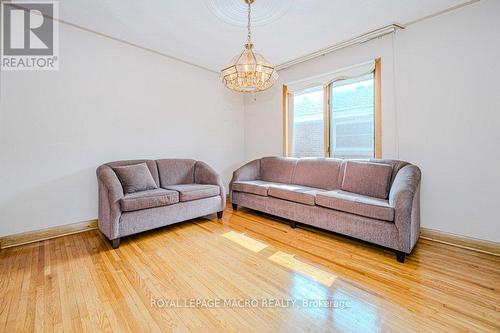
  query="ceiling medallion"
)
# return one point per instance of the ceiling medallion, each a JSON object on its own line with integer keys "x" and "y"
{"x": 249, "y": 71}
{"x": 235, "y": 12}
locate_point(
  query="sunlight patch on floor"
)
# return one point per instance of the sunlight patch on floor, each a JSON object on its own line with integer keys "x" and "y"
{"x": 245, "y": 241}
{"x": 290, "y": 262}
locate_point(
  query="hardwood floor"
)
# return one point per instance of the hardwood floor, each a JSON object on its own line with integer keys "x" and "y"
{"x": 79, "y": 283}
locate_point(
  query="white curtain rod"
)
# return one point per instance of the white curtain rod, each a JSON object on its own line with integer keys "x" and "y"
{"x": 335, "y": 47}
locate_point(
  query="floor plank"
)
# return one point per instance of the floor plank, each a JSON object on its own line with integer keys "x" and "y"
{"x": 247, "y": 272}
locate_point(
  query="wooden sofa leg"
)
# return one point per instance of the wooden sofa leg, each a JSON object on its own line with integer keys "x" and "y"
{"x": 219, "y": 215}
{"x": 293, "y": 224}
{"x": 400, "y": 256}
{"x": 115, "y": 243}
{"x": 235, "y": 206}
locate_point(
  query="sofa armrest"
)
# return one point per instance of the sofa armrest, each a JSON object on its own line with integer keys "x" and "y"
{"x": 110, "y": 193}
{"x": 405, "y": 198}
{"x": 204, "y": 174}
{"x": 249, "y": 171}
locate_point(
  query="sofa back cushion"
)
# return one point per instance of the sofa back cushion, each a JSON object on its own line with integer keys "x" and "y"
{"x": 318, "y": 172}
{"x": 395, "y": 164}
{"x": 277, "y": 169}
{"x": 151, "y": 164}
{"x": 135, "y": 178}
{"x": 176, "y": 171}
{"x": 371, "y": 179}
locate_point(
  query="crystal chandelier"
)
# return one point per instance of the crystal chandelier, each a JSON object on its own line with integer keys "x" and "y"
{"x": 249, "y": 71}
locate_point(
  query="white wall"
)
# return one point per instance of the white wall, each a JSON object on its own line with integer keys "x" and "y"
{"x": 440, "y": 110}
{"x": 111, "y": 101}
{"x": 264, "y": 117}
{"x": 108, "y": 101}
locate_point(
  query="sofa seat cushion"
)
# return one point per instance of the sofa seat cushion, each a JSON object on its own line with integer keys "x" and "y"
{"x": 258, "y": 187}
{"x": 296, "y": 193}
{"x": 358, "y": 204}
{"x": 148, "y": 199}
{"x": 189, "y": 192}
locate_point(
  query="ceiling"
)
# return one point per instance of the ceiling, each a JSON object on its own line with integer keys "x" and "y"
{"x": 191, "y": 31}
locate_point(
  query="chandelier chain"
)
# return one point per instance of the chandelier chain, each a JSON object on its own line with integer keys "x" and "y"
{"x": 249, "y": 36}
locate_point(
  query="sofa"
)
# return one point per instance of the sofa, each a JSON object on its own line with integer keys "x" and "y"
{"x": 377, "y": 201}
{"x": 140, "y": 195}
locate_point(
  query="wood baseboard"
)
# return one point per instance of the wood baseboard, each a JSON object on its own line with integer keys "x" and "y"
{"x": 464, "y": 242}
{"x": 44, "y": 234}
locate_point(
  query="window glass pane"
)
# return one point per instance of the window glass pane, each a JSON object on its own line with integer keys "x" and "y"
{"x": 352, "y": 104}
{"x": 307, "y": 123}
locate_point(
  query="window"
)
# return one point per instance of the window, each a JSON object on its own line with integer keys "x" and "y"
{"x": 340, "y": 118}
{"x": 307, "y": 121}
{"x": 352, "y": 112}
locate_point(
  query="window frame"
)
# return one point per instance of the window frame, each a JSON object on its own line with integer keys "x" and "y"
{"x": 377, "y": 122}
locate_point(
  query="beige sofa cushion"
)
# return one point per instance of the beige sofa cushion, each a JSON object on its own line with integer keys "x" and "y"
{"x": 277, "y": 169}
{"x": 371, "y": 179}
{"x": 258, "y": 187}
{"x": 148, "y": 199}
{"x": 135, "y": 178}
{"x": 175, "y": 171}
{"x": 356, "y": 204}
{"x": 318, "y": 173}
{"x": 296, "y": 193}
{"x": 189, "y": 192}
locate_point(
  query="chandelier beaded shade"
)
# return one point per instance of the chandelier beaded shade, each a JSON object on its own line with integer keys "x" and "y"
{"x": 249, "y": 71}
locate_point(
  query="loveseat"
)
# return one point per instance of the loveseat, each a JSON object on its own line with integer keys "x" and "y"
{"x": 140, "y": 195}
{"x": 377, "y": 201}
